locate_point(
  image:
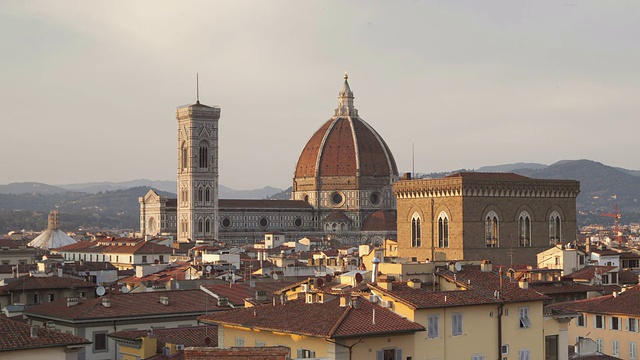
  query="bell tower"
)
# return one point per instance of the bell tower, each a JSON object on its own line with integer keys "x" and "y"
{"x": 197, "y": 191}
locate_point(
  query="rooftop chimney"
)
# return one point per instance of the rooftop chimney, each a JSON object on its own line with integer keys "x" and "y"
{"x": 523, "y": 284}
{"x": 261, "y": 295}
{"x": 386, "y": 282}
{"x": 414, "y": 283}
{"x": 486, "y": 266}
{"x": 164, "y": 300}
{"x": 72, "y": 301}
{"x": 106, "y": 302}
{"x": 343, "y": 300}
{"x": 223, "y": 301}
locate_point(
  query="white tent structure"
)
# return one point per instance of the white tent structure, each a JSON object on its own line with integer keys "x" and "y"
{"x": 52, "y": 237}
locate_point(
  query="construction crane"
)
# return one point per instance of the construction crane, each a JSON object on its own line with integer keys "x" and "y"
{"x": 617, "y": 217}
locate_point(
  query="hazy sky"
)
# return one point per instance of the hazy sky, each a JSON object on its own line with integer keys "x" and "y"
{"x": 89, "y": 89}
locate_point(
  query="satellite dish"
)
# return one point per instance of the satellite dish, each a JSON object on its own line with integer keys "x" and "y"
{"x": 359, "y": 278}
{"x": 125, "y": 289}
{"x": 275, "y": 276}
{"x": 320, "y": 282}
{"x": 328, "y": 278}
{"x": 252, "y": 283}
{"x": 177, "y": 286}
{"x": 100, "y": 290}
{"x": 208, "y": 268}
{"x": 458, "y": 266}
{"x": 207, "y": 341}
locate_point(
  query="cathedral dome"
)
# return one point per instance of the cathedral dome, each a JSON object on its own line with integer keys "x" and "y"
{"x": 346, "y": 146}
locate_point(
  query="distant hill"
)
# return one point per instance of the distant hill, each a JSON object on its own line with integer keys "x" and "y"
{"x": 601, "y": 187}
{"x": 31, "y": 188}
{"x": 112, "y": 209}
{"x": 115, "y": 204}
{"x": 512, "y": 167}
{"x": 96, "y": 187}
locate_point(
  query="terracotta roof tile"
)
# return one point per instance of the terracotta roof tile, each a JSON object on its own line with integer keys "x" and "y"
{"x": 380, "y": 221}
{"x": 129, "y": 305}
{"x": 236, "y": 293}
{"x": 624, "y": 303}
{"x": 17, "y": 336}
{"x": 318, "y": 319}
{"x": 263, "y": 204}
{"x": 187, "y": 336}
{"x": 53, "y": 282}
{"x": 589, "y": 272}
{"x": 479, "y": 288}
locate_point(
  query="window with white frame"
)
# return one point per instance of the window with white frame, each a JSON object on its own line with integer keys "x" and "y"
{"x": 306, "y": 354}
{"x": 433, "y": 326}
{"x": 239, "y": 342}
{"x": 555, "y": 227}
{"x": 632, "y": 324}
{"x": 260, "y": 343}
{"x": 600, "y": 345}
{"x": 456, "y": 324}
{"x": 599, "y": 322}
{"x": 491, "y": 230}
{"x": 524, "y": 354}
{"x": 615, "y": 323}
{"x": 615, "y": 348}
{"x": 443, "y": 230}
{"x": 524, "y": 229}
{"x": 633, "y": 350}
{"x": 477, "y": 357}
{"x": 581, "y": 320}
{"x": 525, "y": 322}
{"x": 389, "y": 354}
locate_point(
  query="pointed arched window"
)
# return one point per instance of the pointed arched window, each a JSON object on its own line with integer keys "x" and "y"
{"x": 491, "y": 230}
{"x": 524, "y": 229}
{"x": 203, "y": 155}
{"x": 555, "y": 228}
{"x": 443, "y": 230}
{"x": 416, "y": 230}
{"x": 184, "y": 156}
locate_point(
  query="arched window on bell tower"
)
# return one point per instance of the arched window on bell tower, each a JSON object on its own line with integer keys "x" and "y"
{"x": 184, "y": 156}
{"x": 555, "y": 228}
{"x": 203, "y": 155}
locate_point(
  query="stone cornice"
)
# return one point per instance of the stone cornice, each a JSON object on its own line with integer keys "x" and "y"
{"x": 449, "y": 187}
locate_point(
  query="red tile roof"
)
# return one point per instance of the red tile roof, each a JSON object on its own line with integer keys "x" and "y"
{"x": 128, "y": 305}
{"x": 568, "y": 287}
{"x": 41, "y": 283}
{"x": 236, "y": 293}
{"x": 187, "y": 336}
{"x": 263, "y": 204}
{"x": 380, "y": 221}
{"x": 17, "y": 336}
{"x": 327, "y": 319}
{"x": 589, "y": 272}
{"x": 624, "y": 303}
{"x": 130, "y": 246}
{"x": 478, "y": 288}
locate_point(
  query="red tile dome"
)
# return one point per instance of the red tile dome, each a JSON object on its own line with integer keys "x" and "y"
{"x": 346, "y": 146}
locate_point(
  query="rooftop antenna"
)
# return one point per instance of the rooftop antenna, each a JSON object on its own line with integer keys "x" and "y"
{"x": 197, "y": 89}
{"x": 413, "y": 161}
